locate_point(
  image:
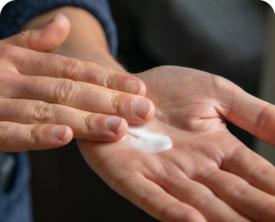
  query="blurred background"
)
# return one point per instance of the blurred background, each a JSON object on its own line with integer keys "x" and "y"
{"x": 230, "y": 38}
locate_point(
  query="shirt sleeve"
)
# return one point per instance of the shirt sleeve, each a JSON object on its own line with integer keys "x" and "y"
{"x": 16, "y": 13}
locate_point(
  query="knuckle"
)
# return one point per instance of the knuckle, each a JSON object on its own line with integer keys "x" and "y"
{"x": 42, "y": 112}
{"x": 34, "y": 135}
{"x": 3, "y": 130}
{"x": 109, "y": 79}
{"x": 69, "y": 67}
{"x": 117, "y": 103}
{"x": 89, "y": 121}
{"x": 7, "y": 50}
{"x": 64, "y": 91}
{"x": 9, "y": 83}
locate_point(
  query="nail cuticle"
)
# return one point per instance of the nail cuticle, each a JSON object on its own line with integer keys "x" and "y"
{"x": 134, "y": 87}
{"x": 114, "y": 124}
{"x": 142, "y": 108}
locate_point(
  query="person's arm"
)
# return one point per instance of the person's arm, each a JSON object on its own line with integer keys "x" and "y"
{"x": 86, "y": 40}
{"x": 207, "y": 168}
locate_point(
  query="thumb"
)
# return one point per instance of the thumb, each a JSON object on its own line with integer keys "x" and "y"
{"x": 44, "y": 39}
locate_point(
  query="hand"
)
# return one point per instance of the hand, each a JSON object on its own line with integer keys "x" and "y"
{"x": 208, "y": 175}
{"x": 44, "y": 101}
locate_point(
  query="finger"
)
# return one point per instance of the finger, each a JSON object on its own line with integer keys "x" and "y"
{"x": 87, "y": 97}
{"x": 239, "y": 194}
{"x": 16, "y": 137}
{"x": 245, "y": 111}
{"x": 142, "y": 192}
{"x": 251, "y": 167}
{"x": 155, "y": 201}
{"x": 198, "y": 196}
{"x": 33, "y": 63}
{"x": 45, "y": 39}
{"x": 85, "y": 125}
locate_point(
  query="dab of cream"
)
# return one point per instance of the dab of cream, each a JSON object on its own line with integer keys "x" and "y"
{"x": 142, "y": 139}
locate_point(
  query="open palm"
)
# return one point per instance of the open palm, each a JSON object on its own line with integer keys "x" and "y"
{"x": 208, "y": 175}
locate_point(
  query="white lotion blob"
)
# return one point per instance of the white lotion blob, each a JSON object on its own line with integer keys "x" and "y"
{"x": 146, "y": 141}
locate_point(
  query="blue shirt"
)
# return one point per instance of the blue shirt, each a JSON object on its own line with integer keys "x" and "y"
{"x": 15, "y": 205}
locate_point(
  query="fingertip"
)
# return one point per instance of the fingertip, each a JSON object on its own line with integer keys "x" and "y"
{"x": 52, "y": 35}
{"x": 136, "y": 87}
{"x": 63, "y": 134}
{"x": 118, "y": 126}
{"x": 144, "y": 109}
{"x": 62, "y": 22}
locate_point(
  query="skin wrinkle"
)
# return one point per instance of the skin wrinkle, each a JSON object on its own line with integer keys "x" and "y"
{"x": 9, "y": 52}
{"x": 88, "y": 121}
{"x": 108, "y": 80}
{"x": 254, "y": 174}
{"x": 183, "y": 171}
{"x": 161, "y": 182}
{"x": 110, "y": 168}
{"x": 114, "y": 100}
{"x": 97, "y": 74}
{"x": 212, "y": 161}
{"x": 25, "y": 35}
{"x": 150, "y": 194}
{"x": 209, "y": 198}
{"x": 240, "y": 189}
{"x": 228, "y": 157}
{"x": 11, "y": 85}
{"x": 33, "y": 134}
{"x": 70, "y": 68}
{"x": 159, "y": 174}
{"x": 163, "y": 211}
{"x": 170, "y": 182}
{"x": 16, "y": 58}
{"x": 41, "y": 112}
{"x": 260, "y": 124}
{"x": 65, "y": 91}
{"x": 218, "y": 82}
{"x": 3, "y": 129}
{"x": 202, "y": 175}
{"x": 122, "y": 182}
{"x": 225, "y": 112}
{"x": 104, "y": 160}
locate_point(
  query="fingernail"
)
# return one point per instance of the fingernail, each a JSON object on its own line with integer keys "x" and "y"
{"x": 134, "y": 87}
{"x": 60, "y": 132}
{"x": 143, "y": 108}
{"x": 58, "y": 15}
{"x": 53, "y": 18}
{"x": 114, "y": 124}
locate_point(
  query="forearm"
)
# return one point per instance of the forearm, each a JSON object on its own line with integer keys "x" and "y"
{"x": 86, "y": 40}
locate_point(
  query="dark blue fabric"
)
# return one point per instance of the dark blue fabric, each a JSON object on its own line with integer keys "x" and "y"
{"x": 17, "y": 13}
{"x": 15, "y": 205}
